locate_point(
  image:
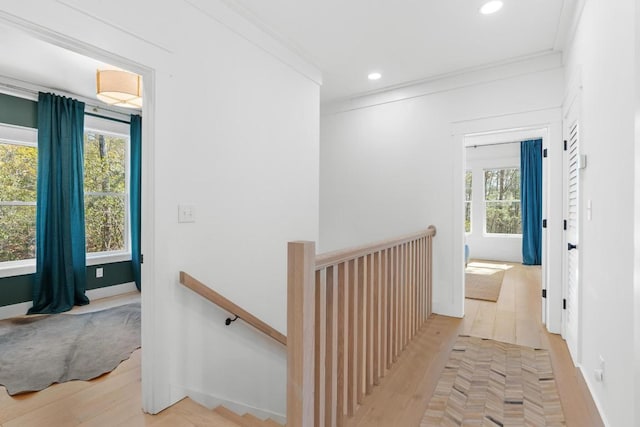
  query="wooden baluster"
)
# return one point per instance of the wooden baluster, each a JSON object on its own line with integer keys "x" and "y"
{"x": 408, "y": 300}
{"x": 360, "y": 354}
{"x": 416, "y": 287}
{"x": 352, "y": 366}
{"x": 390, "y": 311}
{"x": 320, "y": 347}
{"x": 342, "y": 327}
{"x": 412, "y": 293}
{"x": 397, "y": 304}
{"x": 384, "y": 304}
{"x": 394, "y": 306}
{"x": 330, "y": 346}
{"x": 425, "y": 269}
{"x": 300, "y": 333}
{"x": 376, "y": 318}
{"x": 403, "y": 298}
{"x": 369, "y": 339}
{"x": 407, "y": 295}
{"x": 400, "y": 298}
{"x": 430, "y": 275}
{"x": 421, "y": 275}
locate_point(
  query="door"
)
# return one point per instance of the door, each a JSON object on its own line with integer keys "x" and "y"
{"x": 571, "y": 291}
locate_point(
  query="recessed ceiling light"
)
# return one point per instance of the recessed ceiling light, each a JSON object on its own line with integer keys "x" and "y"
{"x": 374, "y": 76}
{"x": 491, "y": 7}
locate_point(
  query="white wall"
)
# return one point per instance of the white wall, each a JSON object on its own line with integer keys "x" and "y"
{"x": 231, "y": 126}
{"x": 388, "y": 161}
{"x": 482, "y": 245}
{"x": 601, "y": 60}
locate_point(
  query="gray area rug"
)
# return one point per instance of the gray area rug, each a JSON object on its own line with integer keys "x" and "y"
{"x": 37, "y": 351}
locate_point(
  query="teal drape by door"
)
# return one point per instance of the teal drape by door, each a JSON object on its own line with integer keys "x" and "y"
{"x": 135, "y": 184}
{"x": 531, "y": 200}
{"x": 60, "y": 232}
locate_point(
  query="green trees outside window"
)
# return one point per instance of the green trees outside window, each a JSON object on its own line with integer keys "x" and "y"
{"x": 468, "y": 180}
{"x": 502, "y": 201}
{"x": 105, "y": 191}
{"x": 18, "y": 169}
{"x": 106, "y": 198}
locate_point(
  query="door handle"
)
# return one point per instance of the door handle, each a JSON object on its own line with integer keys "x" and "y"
{"x": 571, "y": 246}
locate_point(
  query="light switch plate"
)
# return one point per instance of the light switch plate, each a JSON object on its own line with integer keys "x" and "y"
{"x": 186, "y": 213}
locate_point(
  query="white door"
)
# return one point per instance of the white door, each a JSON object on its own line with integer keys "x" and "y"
{"x": 571, "y": 291}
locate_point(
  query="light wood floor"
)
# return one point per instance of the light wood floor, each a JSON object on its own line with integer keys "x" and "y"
{"x": 400, "y": 400}
{"x": 403, "y": 395}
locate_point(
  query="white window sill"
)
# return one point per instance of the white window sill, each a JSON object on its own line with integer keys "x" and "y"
{"x": 28, "y": 266}
{"x": 107, "y": 258}
{"x": 17, "y": 268}
{"x": 503, "y": 236}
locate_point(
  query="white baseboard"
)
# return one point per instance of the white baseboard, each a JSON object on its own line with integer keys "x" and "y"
{"x": 14, "y": 310}
{"x": 108, "y": 291}
{"x": 210, "y": 401}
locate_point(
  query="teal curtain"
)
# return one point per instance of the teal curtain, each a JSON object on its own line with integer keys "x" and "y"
{"x": 60, "y": 234}
{"x": 135, "y": 184}
{"x": 531, "y": 200}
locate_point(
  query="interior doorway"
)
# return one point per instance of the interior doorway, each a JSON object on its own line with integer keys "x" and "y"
{"x": 544, "y": 124}
{"x": 501, "y": 213}
{"x": 80, "y": 49}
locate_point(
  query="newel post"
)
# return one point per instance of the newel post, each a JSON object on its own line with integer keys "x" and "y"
{"x": 300, "y": 333}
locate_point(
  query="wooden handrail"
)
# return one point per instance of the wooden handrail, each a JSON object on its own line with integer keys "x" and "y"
{"x": 211, "y": 295}
{"x": 340, "y": 256}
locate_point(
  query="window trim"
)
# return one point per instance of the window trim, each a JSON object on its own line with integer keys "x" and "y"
{"x": 115, "y": 129}
{"x": 470, "y": 202}
{"x": 25, "y": 137}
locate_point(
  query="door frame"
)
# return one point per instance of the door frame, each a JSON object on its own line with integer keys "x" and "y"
{"x": 551, "y": 121}
{"x": 572, "y": 111}
{"x": 155, "y": 389}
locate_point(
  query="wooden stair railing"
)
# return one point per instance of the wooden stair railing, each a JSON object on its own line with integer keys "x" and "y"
{"x": 350, "y": 314}
{"x": 211, "y": 295}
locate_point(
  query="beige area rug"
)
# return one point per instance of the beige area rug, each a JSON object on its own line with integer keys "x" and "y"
{"x": 490, "y": 383}
{"x": 483, "y": 280}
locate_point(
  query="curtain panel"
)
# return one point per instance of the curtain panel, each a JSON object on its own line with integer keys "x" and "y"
{"x": 60, "y": 228}
{"x": 135, "y": 184}
{"x": 531, "y": 200}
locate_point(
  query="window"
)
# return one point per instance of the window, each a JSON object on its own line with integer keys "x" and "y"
{"x": 502, "y": 201}
{"x": 18, "y": 172}
{"x": 467, "y": 202}
{"x": 106, "y": 199}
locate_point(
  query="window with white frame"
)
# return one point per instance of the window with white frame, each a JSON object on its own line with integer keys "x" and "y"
{"x": 468, "y": 180}
{"x": 106, "y": 188}
{"x": 502, "y": 201}
{"x": 18, "y": 177}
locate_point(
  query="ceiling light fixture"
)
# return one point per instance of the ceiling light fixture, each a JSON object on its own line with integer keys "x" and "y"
{"x": 491, "y": 7}
{"x": 374, "y": 76}
{"x": 119, "y": 88}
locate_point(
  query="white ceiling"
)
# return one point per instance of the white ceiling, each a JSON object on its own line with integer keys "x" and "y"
{"x": 27, "y": 59}
{"x": 405, "y": 40}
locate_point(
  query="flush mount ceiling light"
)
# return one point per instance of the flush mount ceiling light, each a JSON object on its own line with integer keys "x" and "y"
{"x": 491, "y": 7}
{"x": 374, "y": 76}
{"x": 119, "y": 88}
